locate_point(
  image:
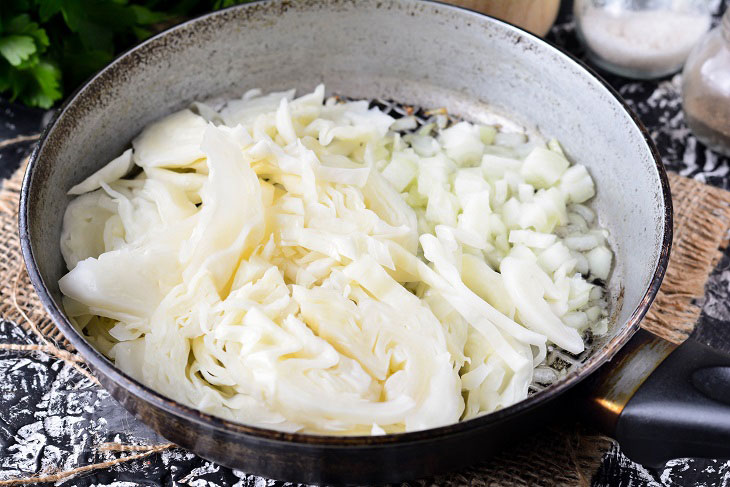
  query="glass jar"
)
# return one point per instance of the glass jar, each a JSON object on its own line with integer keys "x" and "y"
{"x": 706, "y": 88}
{"x": 641, "y": 39}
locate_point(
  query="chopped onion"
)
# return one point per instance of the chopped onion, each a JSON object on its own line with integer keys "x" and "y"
{"x": 299, "y": 264}
{"x": 599, "y": 260}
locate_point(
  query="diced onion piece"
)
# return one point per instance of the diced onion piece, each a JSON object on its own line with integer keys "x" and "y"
{"x": 404, "y": 123}
{"x": 467, "y": 181}
{"x": 475, "y": 210}
{"x": 555, "y": 146}
{"x": 593, "y": 313}
{"x": 575, "y": 319}
{"x": 554, "y": 256}
{"x": 434, "y": 172}
{"x": 526, "y": 192}
{"x": 401, "y": 170}
{"x": 442, "y": 207}
{"x": 495, "y": 167}
{"x": 599, "y": 260}
{"x": 577, "y": 184}
{"x": 581, "y": 243}
{"x": 487, "y": 134}
{"x": 581, "y": 262}
{"x": 532, "y": 239}
{"x": 543, "y": 168}
{"x": 462, "y": 143}
{"x": 424, "y": 145}
{"x": 588, "y": 215}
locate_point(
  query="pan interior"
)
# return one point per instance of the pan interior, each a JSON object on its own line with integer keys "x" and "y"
{"x": 385, "y": 50}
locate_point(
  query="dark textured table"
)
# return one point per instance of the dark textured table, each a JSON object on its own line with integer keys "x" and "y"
{"x": 51, "y": 416}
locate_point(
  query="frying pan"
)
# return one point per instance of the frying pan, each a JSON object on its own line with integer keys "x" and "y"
{"x": 420, "y": 53}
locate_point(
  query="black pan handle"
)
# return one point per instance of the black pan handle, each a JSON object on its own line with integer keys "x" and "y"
{"x": 662, "y": 401}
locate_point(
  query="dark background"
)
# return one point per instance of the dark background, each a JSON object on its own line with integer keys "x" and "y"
{"x": 49, "y": 416}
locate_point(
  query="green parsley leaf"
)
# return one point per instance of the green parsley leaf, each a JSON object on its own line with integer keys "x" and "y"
{"x": 17, "y": 49}
{"x": 22, "y": 25}
{"x": 48, "y": 86}
{"x": 50, "y": 46}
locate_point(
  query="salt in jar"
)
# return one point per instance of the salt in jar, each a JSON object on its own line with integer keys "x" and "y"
{"x": 641, "y": 39}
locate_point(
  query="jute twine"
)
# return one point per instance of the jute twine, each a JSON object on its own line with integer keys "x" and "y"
{"x": 559, "y": 455}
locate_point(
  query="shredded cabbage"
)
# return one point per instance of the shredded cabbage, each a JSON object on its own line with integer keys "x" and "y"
{"x": 302, "y": 265}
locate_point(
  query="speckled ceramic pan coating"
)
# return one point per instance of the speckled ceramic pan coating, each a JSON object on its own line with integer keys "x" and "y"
{"x": 421, "y": 53}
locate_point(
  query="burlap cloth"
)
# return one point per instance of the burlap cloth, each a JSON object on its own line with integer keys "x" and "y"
{"x": 559, "y": 455}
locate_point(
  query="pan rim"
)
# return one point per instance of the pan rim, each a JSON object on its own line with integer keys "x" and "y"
{"x": 100, "y": 364}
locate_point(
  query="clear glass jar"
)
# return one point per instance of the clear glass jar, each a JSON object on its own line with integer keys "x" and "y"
{"x": 641, "y": 39}
{"x": 706, "y": 88}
